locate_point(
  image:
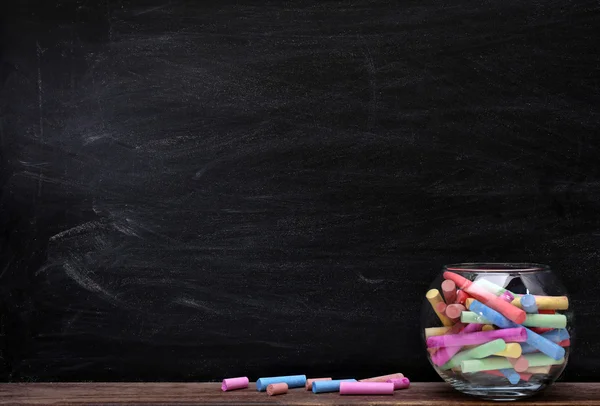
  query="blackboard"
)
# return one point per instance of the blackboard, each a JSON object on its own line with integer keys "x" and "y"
{"x": 193, "y": 190}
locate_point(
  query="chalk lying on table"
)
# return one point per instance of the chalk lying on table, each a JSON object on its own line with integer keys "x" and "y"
{"x": 434, "y": 297}
{"x": 383, "y": 378}
{"x": 546, "y": 302}
{"x": 481, "y": 351}
{"x": 401, "y": 383}
{"x": 329, "y": 386}
{"x": 449, "y": 291}
{"x": 516, "y": 335}
{"x": 366, "y": 388}
{"x": 528, "y": 303}
{"x": 277, "y": 389}
{"x": 309, "y": 382}
{"x": 542, "y": 344}
{"x": 234, "y": 383}
{"x": 293, "y": 381}
{"x": 486, "y": 364}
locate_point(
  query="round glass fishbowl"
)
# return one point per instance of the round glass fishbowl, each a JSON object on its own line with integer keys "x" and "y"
{"x": 498, "y": 331}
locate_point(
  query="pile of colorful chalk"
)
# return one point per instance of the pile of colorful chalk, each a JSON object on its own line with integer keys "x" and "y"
{"x": 380, "y": 385}
{"x": 489, "y": 331}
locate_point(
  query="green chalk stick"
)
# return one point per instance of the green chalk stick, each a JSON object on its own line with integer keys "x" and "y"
{"x": 471, "y": 317}
{"x": 532, "y": 320}
{"x": 481, "y": 351}
{"x": 546, "y": 320}
{"x": 489, "y": 363}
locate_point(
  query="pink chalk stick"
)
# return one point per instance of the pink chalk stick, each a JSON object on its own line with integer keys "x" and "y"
{"x": 366, "y": 388}
{"x": 234, "y": 383}
{"x": 510, "y": 335}
{"x": 402, "y": 383}
{"x": 443, "y": 355}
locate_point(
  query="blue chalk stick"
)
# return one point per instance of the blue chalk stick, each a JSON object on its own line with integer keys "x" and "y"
{"x": 329, "y": 386}
{"x": 293, "y": 381}
{"x": 512, "y": 375}
{"x": 542, "y": 344}
{"x": 490, "y": 314}
{"x": 556, "y": 336}
{"x": 528, "y": 304}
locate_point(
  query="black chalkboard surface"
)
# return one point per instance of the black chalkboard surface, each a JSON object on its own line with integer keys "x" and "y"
{"x": 193, "y": 190}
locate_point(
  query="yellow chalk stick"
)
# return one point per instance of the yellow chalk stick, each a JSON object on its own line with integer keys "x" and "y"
{"x": 539, "y": 370}
{"x": 488, "y": 327}
{"x": 513, "y": 350}
{"x": 434, "y": 297}
{"x": 468, "y": 302}
{"x": 436, "y": 331}
{"x": 546, "y": 302}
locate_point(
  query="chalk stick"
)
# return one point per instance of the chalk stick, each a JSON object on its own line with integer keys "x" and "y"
{"x": 481, "y": 351}
{"x": 401, "y": 383}
{"x": 440, "y": 308}
{"x": 234, "y": 383}
{"x": 528, "y": 303}
{"x": 513, "y": 350}
{"x": 539, "y": 370}
{"x": 293, "y": 381}
{"x": 546, "y": 320}
{"x": 329, "y": 386}
{"x": 555, "y": 336}
{"x": 461, "y": 297}
{"x": 524, "y": 376}
{"x": 516, "y": 335}
{"x": 383, "y": 378}
{"x": 487, "y": 327}
{"x": 274, "y": 389}
{"x": 509, "y": 311}
{"x": 309, "y": 382}
{"x": 511, "y": 374}
{"x": 434, "y": 297}
{"x": 436, "y": 331}
{"x": 449, "y": 291}
{"x": 366, "y": 388}
{"x": 519, "y": 364}
{"x": 546, "y": 302}
{"x": 542, "y": 344}
{"x": 442, "y": 355}
{"x": 453, "y": 311}
{"x": 486, "y": 364}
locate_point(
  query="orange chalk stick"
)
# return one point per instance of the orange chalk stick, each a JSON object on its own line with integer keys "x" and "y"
{"x": 277, "y": 389}
{"x": 309, "y": 382}
{"x": 449, "y": 291}
{"x": 383, "y": 378}
{"x": 453, "y": 311}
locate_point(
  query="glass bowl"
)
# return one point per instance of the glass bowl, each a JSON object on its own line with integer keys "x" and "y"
{"x": 499, "y": 331}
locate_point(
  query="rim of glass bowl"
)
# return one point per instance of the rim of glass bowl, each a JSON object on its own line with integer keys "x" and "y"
{"x": 496, "y": 267}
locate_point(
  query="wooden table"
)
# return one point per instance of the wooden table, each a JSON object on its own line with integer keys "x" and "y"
{"x": 210, "y": 393}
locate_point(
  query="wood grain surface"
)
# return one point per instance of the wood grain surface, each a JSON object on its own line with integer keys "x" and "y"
{"x": 210, "y": 393}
